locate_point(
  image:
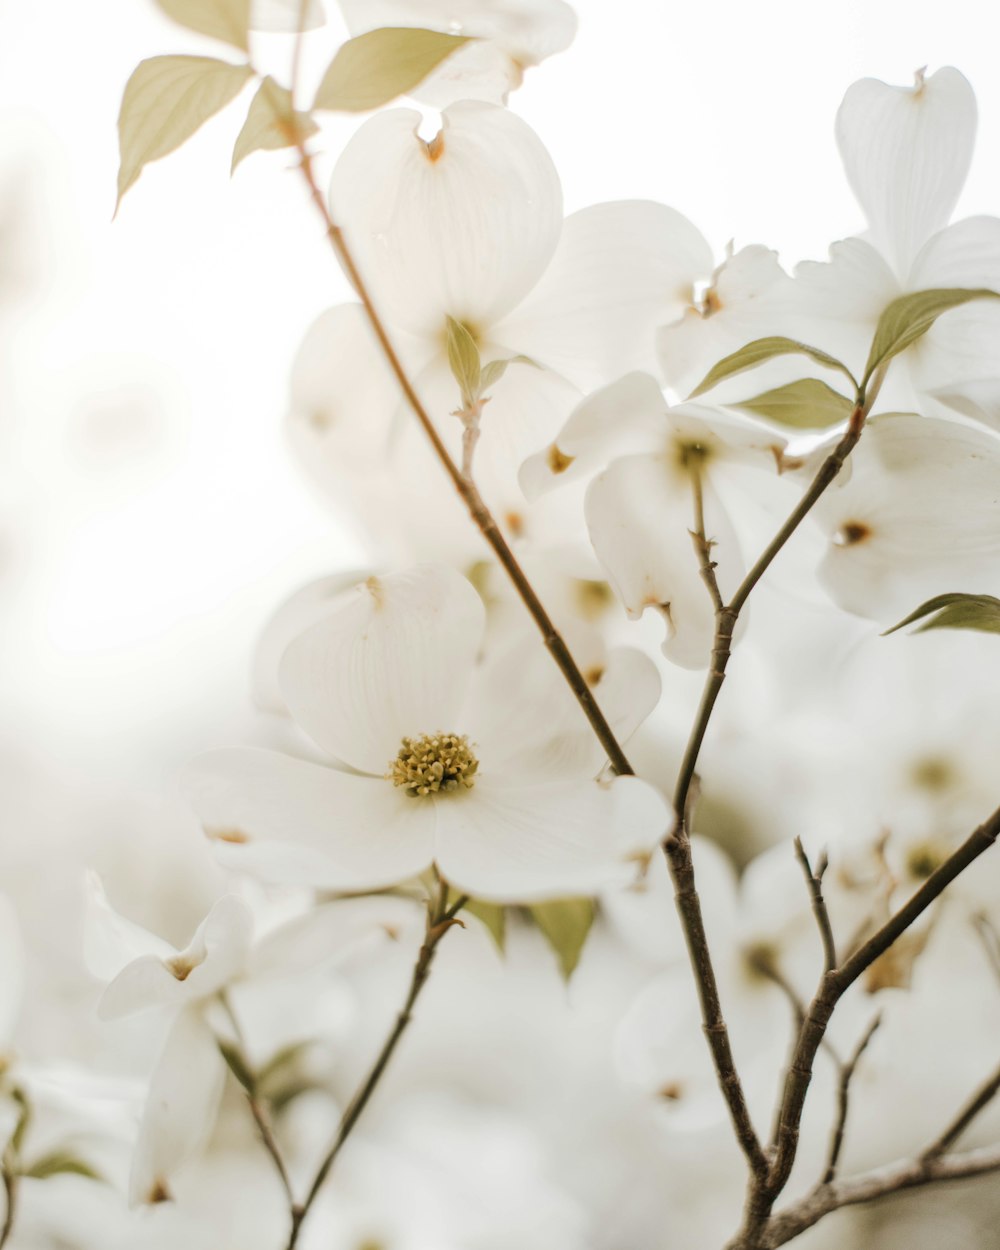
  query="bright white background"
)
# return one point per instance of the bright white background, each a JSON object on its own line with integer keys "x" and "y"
{"x": 149, "y": 516}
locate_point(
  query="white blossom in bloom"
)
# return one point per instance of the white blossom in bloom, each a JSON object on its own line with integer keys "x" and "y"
{"x": 509, "y": 36}
{"x": 470, "y": 226}
{"x": 907, "y": 151}
{"x": 382, "y": 684}
{"x": 919, "y": 516}
{"x": 146, "y": 973}
{"x": 641, "y": 509}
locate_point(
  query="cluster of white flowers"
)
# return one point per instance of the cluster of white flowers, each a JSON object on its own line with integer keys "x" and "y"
{"x": 426, "y": 766}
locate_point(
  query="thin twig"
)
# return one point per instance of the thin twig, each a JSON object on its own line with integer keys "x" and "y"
{"x": 990, "y": 939}
{"x": 702, "y": 543}
{"x": 814, "y": 880}
{"x": 977, "y": 1103}
{"x": 468, "y": 491}
{"x": 843, "y": 1099}
{"x": 440, "y": 919}
{"x": 257, "y": 1110}
{"x": 10, "y": 1186}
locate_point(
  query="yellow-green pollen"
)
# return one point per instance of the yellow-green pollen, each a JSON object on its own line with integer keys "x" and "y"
{"x": 435, "y": 763}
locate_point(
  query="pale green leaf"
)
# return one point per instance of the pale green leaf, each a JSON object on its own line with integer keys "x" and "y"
{"x": 494, "y": 371}
{"x": 804, "y": 405}
{"x": 565, "y": 924}
{"x": 956, "y": 611}
{"x": 493, "y": 916}
{"x": 760, "y": 350}
{"x": 166, "y": 100}
{"x": 282, "y": 1070}
{"x": 228, "y": 20}
{"x": 271, "y": 123}
{"x": 376, "y": 67}
{"x": 61, "y": 1163}
{"x": 463, "y": 358}
{"x": 910, "y": 317}
{"x": 237, "y": 1065}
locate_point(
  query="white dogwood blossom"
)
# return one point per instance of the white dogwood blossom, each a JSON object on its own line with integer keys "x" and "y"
{"x": 382, "y": 685}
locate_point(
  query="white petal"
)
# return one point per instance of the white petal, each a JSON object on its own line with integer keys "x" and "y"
{"x": 109, "y": 940}
{"x": 620, "y": 271}
{"x": 622, "y": 419}
{"x": 284, "y": 15}
{"x": 747, "y": 300}
{"x": 639, "y": 514}
{"x": 216, "y": 955}
{"x": 297, "y": 823}
{"x": 329, "y": 932}
{"x": 309, "y": 604}
{"x": 907, "y": 151}
{"x": 392, "y": 661}
{"x": 509, "y": 844}
{"x": 463, "y": 227}
{"x": 920, "y": 516}
{"x": 183, "y": 1101}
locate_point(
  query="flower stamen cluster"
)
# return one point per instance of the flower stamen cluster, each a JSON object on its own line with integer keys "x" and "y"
{"x": 433, "y": 764}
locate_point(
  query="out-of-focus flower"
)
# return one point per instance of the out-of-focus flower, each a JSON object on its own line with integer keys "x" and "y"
{"x": 382, "y": 684}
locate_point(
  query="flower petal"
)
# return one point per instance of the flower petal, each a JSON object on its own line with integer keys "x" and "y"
{"x": 216, "y": 955}
{"x": 510, "y": 844}
{"x": 464, "y": 226}
{"x": 393, "y": 660}
{"x": 625, "y": 418}
{"x": 296, "y": 823}
{"x": 907, "y": 151}
{"x": 919, "y": 517}
{"x": 110, "y": 942}
{"x": 620, "y": 271}
{"x": 639, "y": 514}
{"x": 284, "y": 15}
{"x": 183, "y": 1100}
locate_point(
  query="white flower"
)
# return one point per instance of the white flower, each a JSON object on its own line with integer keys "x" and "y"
{"x": 640, "y": 510}
{"x": 509, "y": 37}
{"x": 146, "y": 973}
{"x": 470, "y": 226}
{"x": 907, "y": 151}
{"x": 284, "y": 15}
{"x": 918, "y": 517}
{"x": 381, "y": 684}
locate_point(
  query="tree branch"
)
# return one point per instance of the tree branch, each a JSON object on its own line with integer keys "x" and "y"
{"x": 843, "y": 1099}
{"x": 977, "y": 1103}
{"x": 440, "y": 918}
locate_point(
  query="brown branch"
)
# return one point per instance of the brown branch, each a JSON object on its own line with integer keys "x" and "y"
{"x": 814, "y": 880}
{"x": 468, "y": 491}
{"x": 833, "y": 985}
{"x": 10, "y": 1179}
{"x": 440, "y": 919}
{"x": 788, "y": 1224}
{"x": 843, "y": 1099}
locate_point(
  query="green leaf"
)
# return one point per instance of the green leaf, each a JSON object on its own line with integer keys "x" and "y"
{"x": 910, "y": 317}
{"x": 271, "y": 123}
{"x": 494, "y": 371}
{"x": 238, "y": 1065}
{"x": 228, "y": 20}
{"x": 565, "y": 924}
{"x": 493, "y": 916}
{"x": 61, "y": 1163}
{"x": 955, "y": 611}
{"x": 463, "y": 357}
{"x": 376, "y": 67}
{"x": 280, "y": 1070}
{"x": 761, "y": 350}
{"x": 166, "y": 100}
{"x": 808, "y": 404}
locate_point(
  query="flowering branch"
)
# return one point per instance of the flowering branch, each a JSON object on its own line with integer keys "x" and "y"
{"x": 467, "y": 489}
{"x": 814, "y": 880}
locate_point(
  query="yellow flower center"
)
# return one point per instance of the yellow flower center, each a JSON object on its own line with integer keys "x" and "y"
{"x": 434, "y": 764}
